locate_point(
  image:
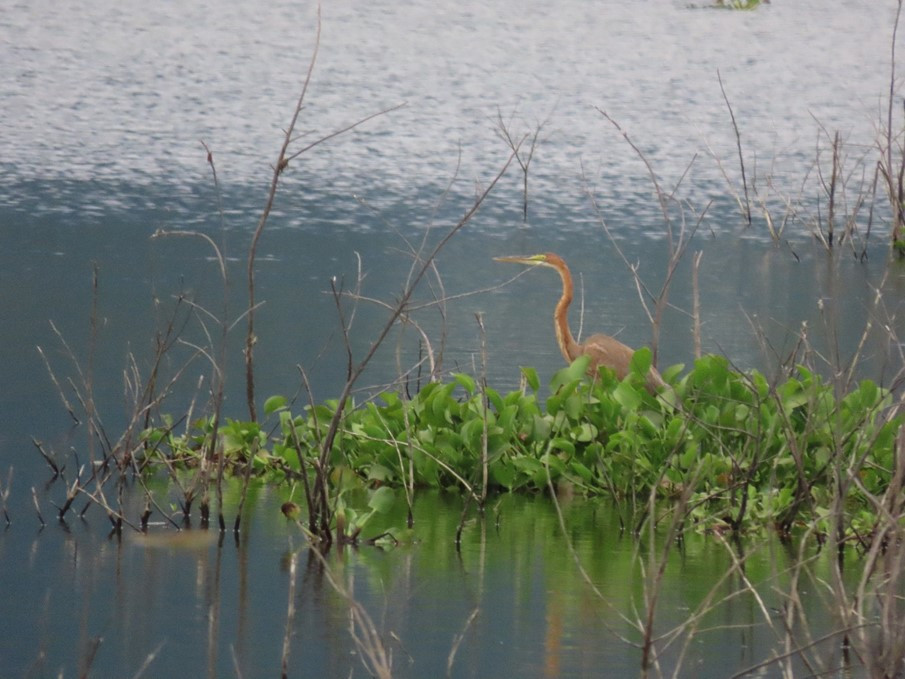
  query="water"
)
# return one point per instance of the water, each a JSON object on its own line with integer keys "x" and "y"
{"x": 104, "y": 108}
{"x": 203, "y": 609}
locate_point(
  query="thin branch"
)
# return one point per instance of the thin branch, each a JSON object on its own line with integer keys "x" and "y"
{"x": 738, "y": 144}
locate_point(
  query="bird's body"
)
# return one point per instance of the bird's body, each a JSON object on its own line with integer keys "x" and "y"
{"x": 601, "y": 349}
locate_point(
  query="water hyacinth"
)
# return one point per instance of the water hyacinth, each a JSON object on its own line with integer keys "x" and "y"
{"x": 745, "y": 453}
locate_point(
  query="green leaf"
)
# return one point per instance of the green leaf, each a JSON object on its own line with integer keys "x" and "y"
{"x": 442, "y": 403}
{"x": 287, "y": 454}
{"x": 689, "y": 456}
{"x": 627, "y": 396}
{"x": 466, "y": 381}
{"x": 472, "y": 432}
{"x": 641, "y": 361}
{"x": 502, "y": 474}
{"x": 581, "y": 471}
{"x": 507, "y": 417}
{"x": 571, "y": 374}
{"x": 573, "y": 406}
{"x": 793, "y": 395}
{"x": 542, "y": 427}
{"x": 378, "y": 472}
{"x": 494, "y": 399}
{"x": 531, "y": 377}
{"x": 275, "y": 403}
{"x": 672, "y": 372}
{"x": 382, "y": 499}
{"x": 528, "y": 465}
{"x": 586, "y": 432}
{"x": 564, "y": 445}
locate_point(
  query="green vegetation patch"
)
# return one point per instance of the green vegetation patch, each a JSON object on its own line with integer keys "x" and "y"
{"x": 728, "y": 450}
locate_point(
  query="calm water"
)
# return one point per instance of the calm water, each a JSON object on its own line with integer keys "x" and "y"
{"x": 203, "y": 609}
{"x": 104, "y": 107}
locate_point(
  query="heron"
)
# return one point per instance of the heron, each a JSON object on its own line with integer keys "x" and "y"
{"x": 602, "y": 350}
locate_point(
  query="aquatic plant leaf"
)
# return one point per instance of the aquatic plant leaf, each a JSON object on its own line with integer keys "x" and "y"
{"x": 275, "y": 403}
{"x": 572, "y": 373}
{"x": 531, "y": 378}
{"x": 466, "y": 382}
{"x": 563, "y": 444}
{"x": 382, "y": 499}
{"x": 503, "y": 474}
{"x": 641, "y": 361}
{"x": 627, "y": 396}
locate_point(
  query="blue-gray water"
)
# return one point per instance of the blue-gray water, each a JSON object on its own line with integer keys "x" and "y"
{"x": 105, "y": 105}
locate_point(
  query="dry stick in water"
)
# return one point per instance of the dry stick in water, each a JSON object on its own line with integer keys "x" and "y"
{"x": 95, "y": 427}
{"x": 303, "y": 468}
{"x": 696, "y": 302}
{"x": 876, "y": 606}
{"x": 236, "y": 668}
{"x": 738, "y": 143}
{"x": 148, "y": 660}
{"x": 655, "y": 571}
{"x": 281, "y": 164}
{"x": 374, "y": 656}
{"x": 249, "y": 465}
{"x": 457, "y": 640}
{"x": 90, "y": 653}
{"x": 417, "y": 252}
{"x": 34, "y": 499}
{"x": 398, "y": 311}
{"x": 290, "y": 615}
{"x": 345, "y": 325}
{"x": 895, "y": 193}
{"x": 408, "y": 478}
{"x": 585, "y": 576}
{"x": 484, "y": 411}
{"x": 62, "y": 394}
{"x": 503, "y": 129}
{"x": 779, "y": 625}
{"x": 834, "y": 179}
{"x": 689, "y": 627}
{"x": 48, "y": 458}
{"x": 862, "y": 256}
{"x": 4, "y": 496}
{"x": 829, "y": 188}
{"x": 96, "y": 430}
{"x": 462, "y": 517}
{"x": 218, "y": 368}
{"x": 676, "y": 247}
{"x": 884, "y": 544}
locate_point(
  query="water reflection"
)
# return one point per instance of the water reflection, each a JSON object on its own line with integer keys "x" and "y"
{"x": 510, "y": 601}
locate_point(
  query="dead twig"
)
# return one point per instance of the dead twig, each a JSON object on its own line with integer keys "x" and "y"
{"x": 738, "y": 144}
{"x": 282, "y": 162}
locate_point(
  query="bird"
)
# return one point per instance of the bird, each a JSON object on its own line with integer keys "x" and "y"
{"x": 603, "y": 350}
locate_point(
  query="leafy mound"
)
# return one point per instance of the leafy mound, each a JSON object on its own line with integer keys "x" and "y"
{"x": 727, "y": 449}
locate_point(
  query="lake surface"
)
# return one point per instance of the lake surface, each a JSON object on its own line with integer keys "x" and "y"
{"x": 104, "y": 108}
{"x": 512, "y": 594}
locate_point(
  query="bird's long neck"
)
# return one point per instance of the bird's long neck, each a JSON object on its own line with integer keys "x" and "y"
{"x": 564, "y": 338}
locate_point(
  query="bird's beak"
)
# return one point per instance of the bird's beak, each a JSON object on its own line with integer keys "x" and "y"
{"x": 520, "y": 259}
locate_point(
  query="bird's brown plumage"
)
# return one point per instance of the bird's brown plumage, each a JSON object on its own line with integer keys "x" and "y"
{"x": 601, "y": 349}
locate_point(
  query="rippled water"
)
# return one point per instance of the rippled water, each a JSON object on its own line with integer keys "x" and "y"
{"x": 121, "y": 94}
{"x": 105, "y": 106}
